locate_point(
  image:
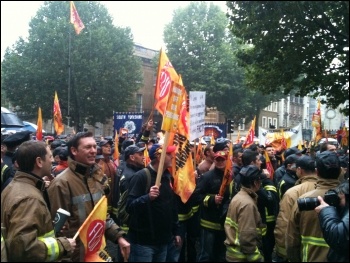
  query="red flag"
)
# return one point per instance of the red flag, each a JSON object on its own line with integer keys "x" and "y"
{"x": 269, "y": 166}
{"x": 92, "y": 231}
{"x": 250, "y": 136}
{"x": 226, "y": 180}
{"x": 166, "y": 74}
{"x": 75, "y": 19}
{"x": 57, "y": 116}
{"x": 39, "y": 129}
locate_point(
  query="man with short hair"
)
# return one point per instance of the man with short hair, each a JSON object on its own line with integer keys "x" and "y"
{"x": 153, "y": 213}
{"x": 307, "y": 181}
{"x": 11, "y": 142}
{"x": 79, "y": 188}
{"x": 205, "y": 165}
{"x": 109, "y": 169}
{"x": 304, "y": 238}
{"x": 290, "y": 177}
{"x": 277, "y": 176}
{"x": 25, "y": 209}
{"x": 134, "y": 161}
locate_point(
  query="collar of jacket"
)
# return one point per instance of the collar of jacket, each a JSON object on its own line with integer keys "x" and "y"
{"x": 306, "y": 178}
{"x": 30, "y": 178}
{"x": 82, "y": 169}
{"x": 250, "y": 192}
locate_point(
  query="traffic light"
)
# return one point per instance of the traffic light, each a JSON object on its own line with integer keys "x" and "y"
{"x": 230, "y": 124}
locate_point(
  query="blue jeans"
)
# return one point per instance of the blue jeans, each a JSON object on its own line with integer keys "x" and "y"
{"x": 145, "y": 253}
{"x": 173, "y": 253}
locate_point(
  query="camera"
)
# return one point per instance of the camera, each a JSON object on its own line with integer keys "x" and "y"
{"x": 309, "y": 203}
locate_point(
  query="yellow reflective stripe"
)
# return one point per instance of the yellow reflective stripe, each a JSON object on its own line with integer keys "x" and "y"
{"x": 183, "y": 217}
{"x": 261, "y": 231}
{"x": 270, "y": 188}
{"x": 235, "y": 253}
{"x": 280, "y": 192}
{"x": 50, "y": 241}
{"x": 144, "y": 138}
{"x": 195, "y": 208}
{"x": 210, "y": 225}
{"x": 231, "y": 223}
{"x": 270, "y": 218}
{"x": 281, "y": 250}
{"x": 316, "y": 241}
{"x": 125, "y": 228}
{"x": 2, "y": 172}
{"x": 205, "y": 200}
{"x": 311, "y": 241}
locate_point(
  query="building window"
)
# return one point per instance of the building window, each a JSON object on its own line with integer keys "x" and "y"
{"x": 269, "y": 108}
{"x": 139, "y": 102}
{"x": 275, "y": 106}
{"x": 264, "y": 124}
{"x": 275, "y": 122}
{"x": 269, "y": 120}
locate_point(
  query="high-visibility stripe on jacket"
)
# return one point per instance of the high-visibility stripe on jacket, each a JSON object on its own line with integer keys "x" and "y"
{"x": 51, "y": 244}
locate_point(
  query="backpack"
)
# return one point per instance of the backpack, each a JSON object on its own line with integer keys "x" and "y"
{"x": 122, "y": 215}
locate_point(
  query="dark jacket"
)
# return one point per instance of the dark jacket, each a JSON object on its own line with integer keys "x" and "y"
{"x": 288, "y": 180}
{"x": 335, "y": 229}
{"x": 151, "y": 222}
{"x": 212, "y": 215}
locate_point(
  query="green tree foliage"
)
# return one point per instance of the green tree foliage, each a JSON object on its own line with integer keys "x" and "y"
{"x": 300, "y": 46}
{"x": 104, "y": 73}
{"x": 202, "y": 50}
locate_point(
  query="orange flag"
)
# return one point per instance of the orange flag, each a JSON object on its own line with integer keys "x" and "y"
{"x": 75, "y": 19}
{"x": 184, "y": 180}
{"x": 345, "y": 135}
{"x": 116, "y": 150}
{"x": 250, "y": 136}
{"x": 316, "y": 123}
{"x": 57, "y": 116}
{"x": 269, "y": 166}
{"x": 166, "y": 74}
{"x": 92, "y": 231}
{"x": 226, "y": 180}
{"x": 238, "y": 138}
{"x": 39, "y": 129}
{"x": 147, "y": 160}
{"x": 199, "y": 151}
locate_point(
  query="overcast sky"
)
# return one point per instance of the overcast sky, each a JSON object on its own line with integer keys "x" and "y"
{"x": 146, "y": 19}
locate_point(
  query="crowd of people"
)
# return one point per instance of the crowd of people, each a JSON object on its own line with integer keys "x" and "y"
{"x": 298, "y": 211}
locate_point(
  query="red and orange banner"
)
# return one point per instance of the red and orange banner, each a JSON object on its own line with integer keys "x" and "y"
{"x": 57, "y": 116}
{"x": 116, "y": 150}
{"x": 227, "y": 179}
{"x": 75, "y": 19}
{"x": 39, "y": 129}
{"x": 269, "y": 166}
{"x": 92, "y": 231}
{"x": 166, "y": 74}
{"x": 250, "y": 136}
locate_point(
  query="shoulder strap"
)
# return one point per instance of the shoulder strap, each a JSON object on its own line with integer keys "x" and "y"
{"x": 148, "y": 185}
